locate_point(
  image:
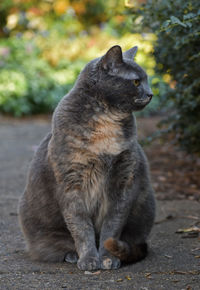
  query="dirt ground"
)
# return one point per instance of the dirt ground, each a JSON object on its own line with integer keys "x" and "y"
{"x": 174, "y": 258}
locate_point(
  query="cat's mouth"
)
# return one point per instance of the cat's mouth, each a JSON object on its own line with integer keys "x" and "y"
{"x": 141, "y": 103}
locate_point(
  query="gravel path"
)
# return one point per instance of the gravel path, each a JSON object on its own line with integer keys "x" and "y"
{"x": 173, "y": 261}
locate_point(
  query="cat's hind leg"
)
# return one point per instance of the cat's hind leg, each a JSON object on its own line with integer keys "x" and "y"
{"x": 52, "y": 247}
{"x": 132, "y": 246}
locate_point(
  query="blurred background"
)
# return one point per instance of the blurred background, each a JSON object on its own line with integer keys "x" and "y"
{"x": 44, "y": 45}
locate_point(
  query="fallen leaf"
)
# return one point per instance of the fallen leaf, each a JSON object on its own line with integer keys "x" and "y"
{"x": 192, "y": 272}
{"x": 128, "y": 277}
{"x": 148, "y": 275}
{"x": 88, "y": 273}
{"x": 192, "y": 232}
{"x": 119, "y": 280}
{"x": 96, "y": 273}
{"x": 187, "y": 230}
{"x": 196, "y": 249}
{"x": 192, "y": 217}
{"x": 92, "y": 273}
{"x": 167, "y": 256}
{"x": 179, "y": 272}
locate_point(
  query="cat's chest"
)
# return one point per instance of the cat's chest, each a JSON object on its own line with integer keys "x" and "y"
{"x": 107, "y": 136}
{"x": 95, "y": 194}
{"x": 94, "y": 158}
{"x": 91, "y": 175}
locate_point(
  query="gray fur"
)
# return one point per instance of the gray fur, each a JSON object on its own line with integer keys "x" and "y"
{"x": 131, "y": 53}
{"x": 89, "y": 179}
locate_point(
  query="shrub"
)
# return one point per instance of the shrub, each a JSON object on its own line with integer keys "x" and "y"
{"x": 28, "y": 84}
{"x": 35, "y": 74}
{"x": 177, "y": 26}
{"x": 45, "y": 44}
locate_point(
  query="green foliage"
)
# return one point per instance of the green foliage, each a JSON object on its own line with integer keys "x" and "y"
{"x": 45, "y": 44}
{"x": 28, "y": 84}
{"x": 40, "y": 15}
{"x": 177, "y": 26}
{"x": 35, "y": 74}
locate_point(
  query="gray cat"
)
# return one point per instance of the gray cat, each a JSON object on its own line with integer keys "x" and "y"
{"x": 88, "y": 198}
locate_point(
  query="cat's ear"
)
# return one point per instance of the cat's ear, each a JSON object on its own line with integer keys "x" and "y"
{"x": 112, "y": 58}
{"x": 131, "y": 53}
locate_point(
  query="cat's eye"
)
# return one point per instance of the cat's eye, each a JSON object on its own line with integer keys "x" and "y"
{"x": 136, "y": 82}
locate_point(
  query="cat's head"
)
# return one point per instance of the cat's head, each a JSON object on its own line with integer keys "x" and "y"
{"x": 120, "y": 81}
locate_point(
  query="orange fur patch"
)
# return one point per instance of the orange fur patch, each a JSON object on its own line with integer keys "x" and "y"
{"x": 117, "y": 248}
{"x": 107, "y": 136}
{"x": 111, "y": 245}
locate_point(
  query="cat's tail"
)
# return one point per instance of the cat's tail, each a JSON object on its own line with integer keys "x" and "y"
{"x": 125, "y": 252}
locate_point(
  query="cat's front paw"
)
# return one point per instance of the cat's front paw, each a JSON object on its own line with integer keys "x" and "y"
{"x": 110, "y": 262}
{"x": 88, "y": 263}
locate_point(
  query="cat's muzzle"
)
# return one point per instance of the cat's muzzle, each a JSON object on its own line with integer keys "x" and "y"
{"x": 144, "y": 101}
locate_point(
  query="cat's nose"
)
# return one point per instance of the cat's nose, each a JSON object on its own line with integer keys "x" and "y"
{"x": 150, "y": 96}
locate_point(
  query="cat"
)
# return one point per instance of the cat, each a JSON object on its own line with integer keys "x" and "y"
{"x": 88, "y": 198}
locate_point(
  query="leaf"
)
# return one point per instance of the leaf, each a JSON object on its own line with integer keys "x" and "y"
{"x": 119, "y": 280}
{"x": 128, "y": 278}
{"x": 166, "y": 23}
{"x": 168, "y": 256}
{"x": 92, "y": 273}
{"x": 88, "y": 273}
{"x": 189, "y": 24}
{"x": 189, "y": 16}
{"x": 175, "y": 20}
{"x": 188, "y": 230}
{"x": 148, "y": 275}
